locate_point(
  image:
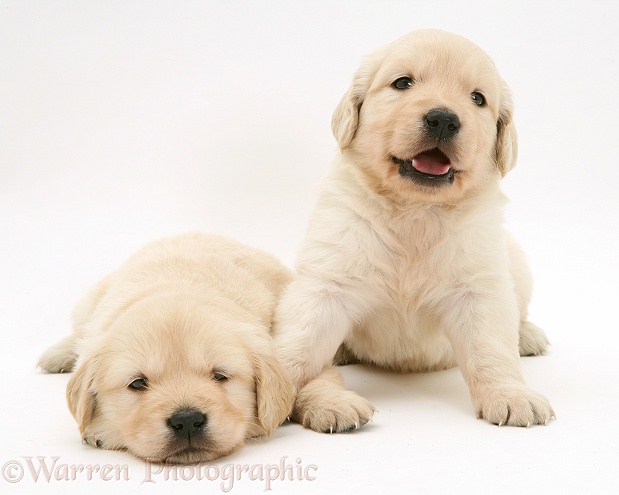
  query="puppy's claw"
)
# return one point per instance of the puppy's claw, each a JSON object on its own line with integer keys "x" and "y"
{"x": 356, "y": 425}
{"x": 500, "y": 424}
{"x": 331, "y": 429}
{"x": 528, "y": 424}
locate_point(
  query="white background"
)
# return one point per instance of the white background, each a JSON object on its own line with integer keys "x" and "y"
{"x": 123, "y": 121}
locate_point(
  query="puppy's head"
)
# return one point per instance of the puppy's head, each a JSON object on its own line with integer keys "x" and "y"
{"x": 178, "y": 382}
{"x": 427, "y": 118}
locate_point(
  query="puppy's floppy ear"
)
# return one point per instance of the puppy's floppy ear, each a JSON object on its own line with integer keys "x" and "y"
{"x": 274, "y": 394}
{"x": 346, "y": 116}
{"x": 80, "y": 396}
{"x": 506, "y": 139}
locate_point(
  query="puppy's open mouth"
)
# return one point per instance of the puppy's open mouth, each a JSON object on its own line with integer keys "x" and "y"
{"x": 432, "y": 168}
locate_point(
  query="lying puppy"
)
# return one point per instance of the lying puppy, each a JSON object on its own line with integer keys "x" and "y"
{"x": 406, "y": 264}
{"x": 172, "y": 354}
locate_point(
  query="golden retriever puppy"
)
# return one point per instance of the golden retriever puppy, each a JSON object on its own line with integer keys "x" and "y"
{"x": 172, "y": 354}
{"x": 405, "y": 263}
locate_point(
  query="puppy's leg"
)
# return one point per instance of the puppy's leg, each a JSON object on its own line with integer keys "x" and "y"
{"x": 533, "y": 340}
{"x": 483, "y": 329}
{"x": 312, "y": 319}
{"x": 323, "y": 405}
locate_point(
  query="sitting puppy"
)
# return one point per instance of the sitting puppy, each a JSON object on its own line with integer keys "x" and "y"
{"x": 172, "y": 354}
{"x": 406, "y": 264}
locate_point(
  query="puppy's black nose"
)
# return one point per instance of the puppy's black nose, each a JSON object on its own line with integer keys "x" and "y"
{"x": 442, "y": 123}
{"x": 187, "y": 423}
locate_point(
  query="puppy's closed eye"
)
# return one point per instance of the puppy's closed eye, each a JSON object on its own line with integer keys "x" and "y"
{"x": 220, "y": 376}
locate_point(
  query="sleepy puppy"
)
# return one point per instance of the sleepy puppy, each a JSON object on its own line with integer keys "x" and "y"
{"x": 172, "y": 356}
{"x": 405, "y": 263}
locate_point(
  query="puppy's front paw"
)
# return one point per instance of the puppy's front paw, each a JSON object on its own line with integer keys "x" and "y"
{"x": 328, "y": 410}
{"x": 513, "y": 406}
{"x": 92, "y": 441}
{"x": 341, "y": 414}
{"x": 533, "y": 340}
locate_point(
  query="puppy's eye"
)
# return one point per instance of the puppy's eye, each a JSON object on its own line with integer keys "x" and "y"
{"x": 218, "y": 376}
{"x": 402, "y": 83}
{"x": 478, "y": 99}
{"x": 139, "y": 384}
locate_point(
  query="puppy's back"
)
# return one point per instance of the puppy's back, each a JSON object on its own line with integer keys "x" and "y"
{"x": 212, "y": 267}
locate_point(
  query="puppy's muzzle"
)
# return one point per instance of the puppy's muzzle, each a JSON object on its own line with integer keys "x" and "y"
{"x": 187, "y": 423}
{"x": 441, "y": 123}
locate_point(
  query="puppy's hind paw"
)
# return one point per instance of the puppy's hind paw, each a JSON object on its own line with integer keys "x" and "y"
{"x": 533, "y": 340}
{"x": 59, "y": 358}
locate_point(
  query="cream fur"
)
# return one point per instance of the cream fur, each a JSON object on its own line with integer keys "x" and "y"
{"x": 405, "y": 275}
{"x": 176, "y": 313}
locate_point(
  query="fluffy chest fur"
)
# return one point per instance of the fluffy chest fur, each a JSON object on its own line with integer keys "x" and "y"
{"x": 405, "y": 263}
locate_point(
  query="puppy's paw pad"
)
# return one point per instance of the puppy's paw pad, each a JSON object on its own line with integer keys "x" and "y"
{"x": 533, "y": 340}
{"x": 515, "y": 407}
{"x": 343, "y": 413}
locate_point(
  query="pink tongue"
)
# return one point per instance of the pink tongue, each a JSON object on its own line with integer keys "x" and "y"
{"x": 432, "y": 162}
